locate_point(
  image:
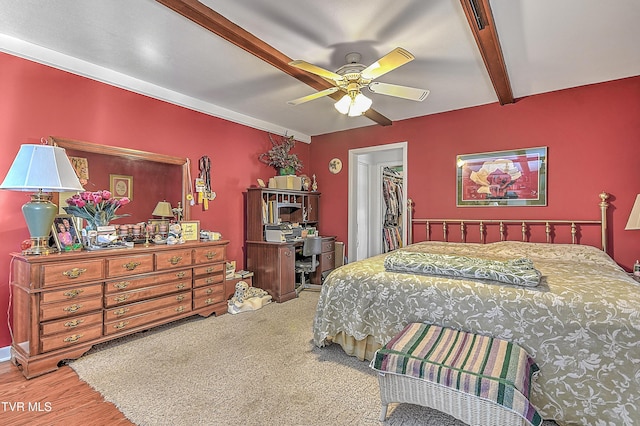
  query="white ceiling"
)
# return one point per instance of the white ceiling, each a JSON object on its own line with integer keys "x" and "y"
{"x": 143, "y": 46}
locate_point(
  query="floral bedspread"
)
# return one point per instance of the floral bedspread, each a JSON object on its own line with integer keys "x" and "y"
{"x": 581, "y": 324}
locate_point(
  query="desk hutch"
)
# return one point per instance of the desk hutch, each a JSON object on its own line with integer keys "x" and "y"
{"x": 273, "y": 263}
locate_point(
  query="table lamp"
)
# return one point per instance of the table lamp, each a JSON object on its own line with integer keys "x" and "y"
{"x": 163, "y": 209}
{"x": 634, "y": 217}
{"x": 43, "y": 169}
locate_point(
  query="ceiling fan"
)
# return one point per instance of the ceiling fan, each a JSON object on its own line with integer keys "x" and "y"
{"x": 353, "y": 77}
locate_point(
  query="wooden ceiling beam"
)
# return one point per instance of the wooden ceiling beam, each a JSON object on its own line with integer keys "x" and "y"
{"x": 483, "y": 27}
{"x": 222, "y": 27}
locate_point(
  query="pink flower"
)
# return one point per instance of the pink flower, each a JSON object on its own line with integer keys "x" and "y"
{"x": 123, "y": 201}
{"x": 106, "y": 195}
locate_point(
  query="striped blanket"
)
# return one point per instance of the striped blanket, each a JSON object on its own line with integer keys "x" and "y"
{"x": 492, "y": 369}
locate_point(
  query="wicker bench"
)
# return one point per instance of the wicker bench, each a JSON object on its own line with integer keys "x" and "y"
{"x": 477, "y": 379}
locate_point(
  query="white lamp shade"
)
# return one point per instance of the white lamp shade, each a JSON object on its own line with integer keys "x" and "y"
{"x": 634, "y": 217}
{"x": 41, "y": 167}
{"x": 343, "y": 104}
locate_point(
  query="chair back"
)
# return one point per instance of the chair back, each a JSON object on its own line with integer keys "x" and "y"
{"x": 312, "y": 246}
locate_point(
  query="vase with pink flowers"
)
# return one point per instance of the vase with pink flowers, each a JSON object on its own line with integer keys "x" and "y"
{"x": 97, "y": 208}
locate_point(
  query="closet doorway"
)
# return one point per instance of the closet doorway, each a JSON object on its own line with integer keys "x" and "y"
{"x": 366, "y": 204}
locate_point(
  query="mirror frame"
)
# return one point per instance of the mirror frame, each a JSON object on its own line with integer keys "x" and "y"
{"x": 132, "y": 154}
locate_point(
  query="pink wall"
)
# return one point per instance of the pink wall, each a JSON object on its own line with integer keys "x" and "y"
{"x": 593, "y": 139}
{"x": 39, "y": 101}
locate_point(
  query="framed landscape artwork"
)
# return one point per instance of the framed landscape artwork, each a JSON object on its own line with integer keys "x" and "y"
{"x": 503, "y": 178}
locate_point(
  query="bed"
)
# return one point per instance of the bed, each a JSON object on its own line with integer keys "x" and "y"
{"x": 581, "y": 323}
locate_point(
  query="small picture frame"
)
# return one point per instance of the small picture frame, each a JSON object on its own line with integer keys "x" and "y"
{"x": 65, "y": 233}
{"x": 121, "y": 186}
{"x": 190, "y": 230}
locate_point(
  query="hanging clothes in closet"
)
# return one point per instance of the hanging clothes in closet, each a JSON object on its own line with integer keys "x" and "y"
{"x": 392, "y": 220}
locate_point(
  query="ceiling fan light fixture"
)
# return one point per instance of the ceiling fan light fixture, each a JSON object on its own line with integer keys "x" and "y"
{"x": 353, "y": 104}
{"x": 343, "y": 104}
{"x": 361, "y": 103}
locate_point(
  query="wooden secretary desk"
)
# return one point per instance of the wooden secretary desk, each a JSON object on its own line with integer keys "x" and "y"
{"x": 273, "y": 263}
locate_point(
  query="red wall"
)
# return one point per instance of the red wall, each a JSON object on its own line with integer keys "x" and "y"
{"x": 592, "y": 134}
{"x": 39, "y": 101}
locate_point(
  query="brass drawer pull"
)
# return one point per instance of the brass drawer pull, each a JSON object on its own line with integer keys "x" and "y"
{"x": 121, "y": 285}
{"x": 130, "y": 266}
{"x": 122, "y": 298}
{"x": 74, "y": 272}
{"x": 120, "y": 311}
{"x": 209, "y": 280}
{"x": 121, "y": 324}
{"x": 175, "y": 260}
{"x": 72, "y": 308}
{"x": 72, "y": 293}
{"x": 210, "y": 269}
{"x": 209, "y": 291}
{"x": 180, "y": 298}
{"x": 180, "y": 286}
{"x": 208, "y": 301}
{"x": 73, "y": 323}
{"x": 73, "y": 338}
{"x": 181, "y": 274}
{"x": 211, "y": 255}
{"x": 180, "y": 309}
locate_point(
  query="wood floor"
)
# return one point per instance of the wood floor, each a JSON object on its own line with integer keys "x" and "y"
{"x": 57, "y": 398}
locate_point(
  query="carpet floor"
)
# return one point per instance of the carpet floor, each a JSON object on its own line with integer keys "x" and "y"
{"x": 253, "y": 368}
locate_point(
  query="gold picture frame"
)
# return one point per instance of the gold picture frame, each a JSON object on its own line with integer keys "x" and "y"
{"x": 64, "y": 231}
{"x": 190, "y": 230}
{"x": 121, "y": 186}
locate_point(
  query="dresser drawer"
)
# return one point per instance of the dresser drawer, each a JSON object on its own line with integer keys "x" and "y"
{"x": 210, "y": 291}
{"x": 71, "y": 272}
{"x": 127, "y": 265}
{"x": 173, "y": 259}
{"x": 209, "y": 254}
{"x": 71, "y": 293}
{"x": 218, "y": 268}
{"x": 69, "y": 325}
{"x": 70, "y": 338}
{"x": 207, "y": 296}
{"x": 328, "y": 246}
{"x": 116, "y": 299}
{"x": 146, "y": 318}
{"x": 69, "y": 308}
{"x": 327, "y": 261}
{"x": 126, "y": 284}
{"x": 134, "y": 309}
{"x": 208, "y": 280}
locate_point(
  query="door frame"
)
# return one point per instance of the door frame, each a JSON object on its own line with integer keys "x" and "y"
{"x": 368, "y": 155}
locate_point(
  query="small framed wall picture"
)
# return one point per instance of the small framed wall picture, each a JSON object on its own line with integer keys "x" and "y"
{"x": 121, "y": 186}
{"x": 190, "y": 230}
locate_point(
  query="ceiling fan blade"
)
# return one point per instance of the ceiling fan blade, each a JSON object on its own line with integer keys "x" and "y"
{"x": 404, "y": 92}
{"x": 313, "y": 96}
{"x": 314, "y": 69}
{"x": 392, "y": 60}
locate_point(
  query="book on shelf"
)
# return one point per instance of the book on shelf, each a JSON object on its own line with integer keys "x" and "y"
{"x": 243, "y": 274}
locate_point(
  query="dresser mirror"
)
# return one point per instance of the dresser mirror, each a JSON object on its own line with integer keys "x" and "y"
{"x": 152, "y": 177}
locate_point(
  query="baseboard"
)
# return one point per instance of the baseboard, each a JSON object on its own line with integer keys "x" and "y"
{"x": 5, "y": 353}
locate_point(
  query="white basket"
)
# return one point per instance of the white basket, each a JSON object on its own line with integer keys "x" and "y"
{"x": 469, "y": 408}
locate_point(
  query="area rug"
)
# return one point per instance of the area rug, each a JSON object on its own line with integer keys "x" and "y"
{"x": 253, "y": 368}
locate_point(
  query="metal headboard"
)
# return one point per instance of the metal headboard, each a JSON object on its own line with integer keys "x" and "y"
{"x": 525, "y": 225}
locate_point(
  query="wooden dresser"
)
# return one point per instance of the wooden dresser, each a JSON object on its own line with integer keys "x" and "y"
{"x": 65, "y": 303}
